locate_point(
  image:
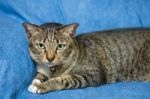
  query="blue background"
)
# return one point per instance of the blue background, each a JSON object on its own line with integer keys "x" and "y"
{"x": 16, "y": 67}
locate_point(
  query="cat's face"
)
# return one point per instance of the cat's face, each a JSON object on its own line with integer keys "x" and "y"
{"x": 51, "y": 47}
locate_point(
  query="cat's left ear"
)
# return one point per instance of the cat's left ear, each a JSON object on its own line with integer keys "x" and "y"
{"x": 69, "y": 29}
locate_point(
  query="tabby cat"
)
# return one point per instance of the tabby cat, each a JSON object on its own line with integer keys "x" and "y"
{"x": 66, "y": 61}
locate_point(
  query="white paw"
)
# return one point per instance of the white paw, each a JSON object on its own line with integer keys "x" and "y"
{"x": 36, "y": 81}
{"x": 32, "y": 89}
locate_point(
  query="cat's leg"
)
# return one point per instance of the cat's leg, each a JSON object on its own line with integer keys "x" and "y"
{"x": 62, "y": 82}
{"x": 38, "y": 79}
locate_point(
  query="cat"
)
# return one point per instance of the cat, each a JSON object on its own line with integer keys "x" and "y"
{"x": 67, "y": 61}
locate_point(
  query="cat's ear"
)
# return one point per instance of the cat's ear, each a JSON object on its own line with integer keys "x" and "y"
{"x": 69, "y": 29}
{"x": 31, "y": 29}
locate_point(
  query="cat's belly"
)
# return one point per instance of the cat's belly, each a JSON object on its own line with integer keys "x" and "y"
{"x": 44, "y": 70}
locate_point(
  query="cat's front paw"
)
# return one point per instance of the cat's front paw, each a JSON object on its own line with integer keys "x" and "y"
{"x": 36, "y": 81}
{"x": 32, "y": 88}
{"x": 38, "y": 88}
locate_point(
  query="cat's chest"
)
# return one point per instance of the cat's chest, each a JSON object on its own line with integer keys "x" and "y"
{"x": 44, "y": 70}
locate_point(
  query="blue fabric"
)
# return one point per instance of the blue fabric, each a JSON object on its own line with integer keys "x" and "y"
{"x": 16, "y": 67}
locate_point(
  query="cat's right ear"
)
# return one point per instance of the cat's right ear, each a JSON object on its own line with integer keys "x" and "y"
{"x": 69, "y": 29}
{"x": 31, "y": 29}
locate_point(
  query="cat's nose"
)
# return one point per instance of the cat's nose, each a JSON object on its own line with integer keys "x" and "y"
{"x": 50, "y": 55}
{"x": 50, "y": 59}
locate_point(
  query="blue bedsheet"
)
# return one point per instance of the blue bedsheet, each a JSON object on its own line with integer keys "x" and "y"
{"x": 16, "y": 67}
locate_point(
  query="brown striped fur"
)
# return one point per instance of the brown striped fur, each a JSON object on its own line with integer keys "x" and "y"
{"x": 89, "y": 59}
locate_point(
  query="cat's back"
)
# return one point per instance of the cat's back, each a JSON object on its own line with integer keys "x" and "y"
{"x": 132, "y": 34}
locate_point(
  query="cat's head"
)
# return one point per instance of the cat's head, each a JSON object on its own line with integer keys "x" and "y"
{"x": 51, "y": 45}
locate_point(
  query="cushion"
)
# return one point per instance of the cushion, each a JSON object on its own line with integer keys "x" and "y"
{"x": 16, "y": 67}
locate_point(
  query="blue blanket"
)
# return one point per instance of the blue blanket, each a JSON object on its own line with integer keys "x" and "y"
{"x": 16, "y": 67}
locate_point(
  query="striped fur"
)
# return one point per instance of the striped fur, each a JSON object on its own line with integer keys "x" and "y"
{"x": 90, "y": 59}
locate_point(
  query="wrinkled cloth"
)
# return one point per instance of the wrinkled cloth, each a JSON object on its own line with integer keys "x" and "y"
{"x": 16, "y": 67}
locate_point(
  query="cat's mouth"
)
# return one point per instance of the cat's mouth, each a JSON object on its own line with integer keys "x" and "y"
{"x": 49, "y": 64}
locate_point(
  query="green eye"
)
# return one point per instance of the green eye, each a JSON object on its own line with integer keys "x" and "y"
{"x": 61, "y": 46}
{"x": 40, "y": 45}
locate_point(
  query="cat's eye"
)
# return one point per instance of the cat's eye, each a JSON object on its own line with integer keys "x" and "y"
{"x": 40, "y": 45}
{"x": 61, "y": 46}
